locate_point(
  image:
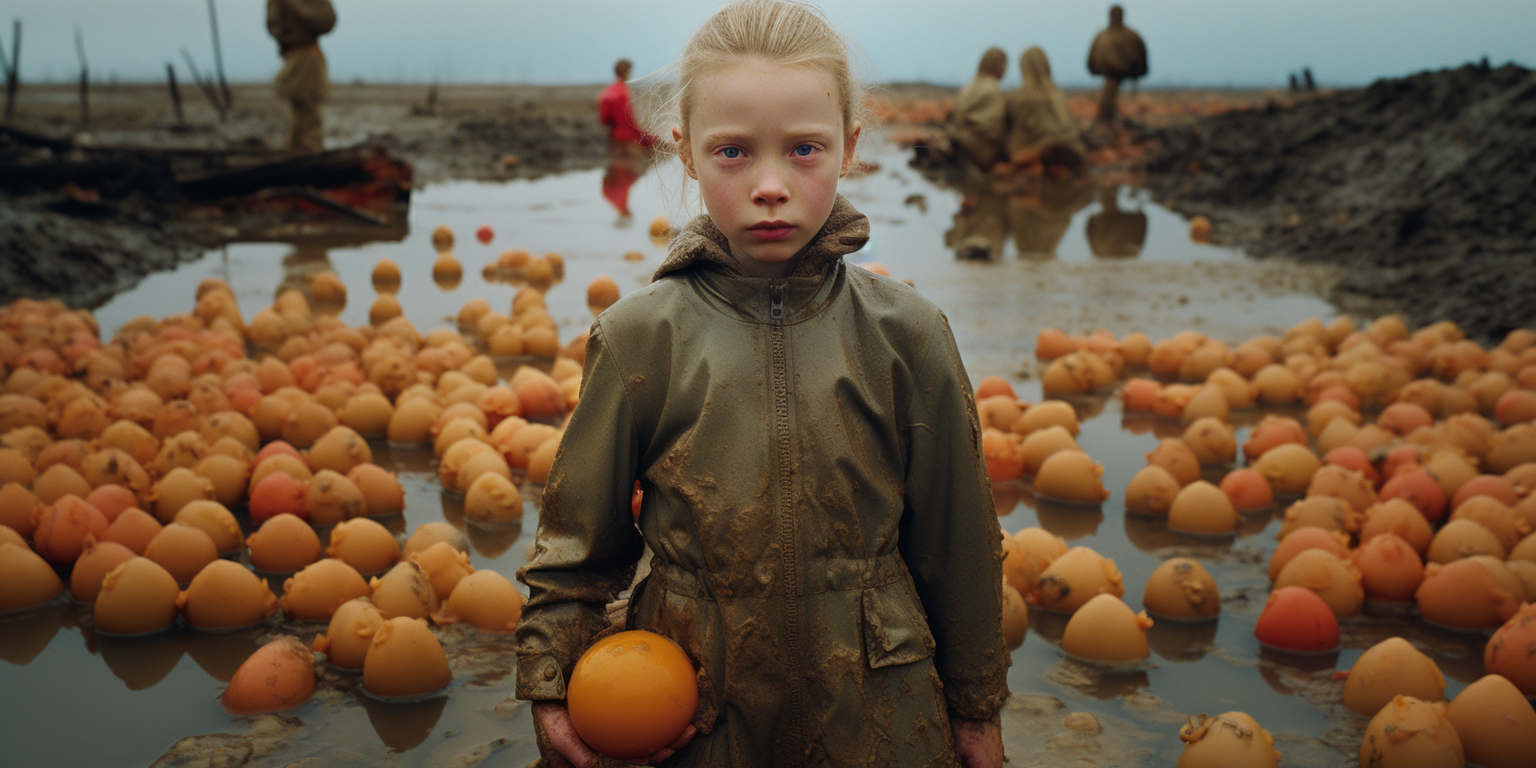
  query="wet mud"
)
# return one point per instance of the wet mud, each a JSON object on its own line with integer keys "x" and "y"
{"x": 1419, "y": 187}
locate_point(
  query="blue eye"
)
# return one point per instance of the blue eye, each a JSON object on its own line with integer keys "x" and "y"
{"x": 731, "y": 153}
{"x": 804, "y": 150}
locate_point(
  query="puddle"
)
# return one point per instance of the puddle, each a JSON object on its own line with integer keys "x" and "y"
{"x": 137, "y": 699}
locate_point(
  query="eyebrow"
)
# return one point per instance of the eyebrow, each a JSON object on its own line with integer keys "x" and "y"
{"x": 802, "y": 134}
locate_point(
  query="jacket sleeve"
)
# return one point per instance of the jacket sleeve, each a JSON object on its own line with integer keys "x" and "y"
{"x": 950, "y": 538}
{"x": 587, "y": 545}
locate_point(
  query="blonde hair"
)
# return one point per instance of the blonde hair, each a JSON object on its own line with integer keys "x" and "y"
{"x": 778, "y": 31}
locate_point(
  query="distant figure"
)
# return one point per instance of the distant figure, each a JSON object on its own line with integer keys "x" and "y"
{"x": 980, "y": 120}
{"x": 1306, "y": 76}
{"x": 1038, "y": 121}
{"x": 1117, "y": 53}
{"x": 615, "y": 111}
{"x": 297, "y": 26}
{"x": 1113, "y": 233}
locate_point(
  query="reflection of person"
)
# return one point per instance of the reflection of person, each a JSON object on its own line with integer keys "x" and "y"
{"x": 802, "y": 533}
{"x": 297, "y": 26}
{"x": 300, "y": 267}
{"x": 621, "y": 174}
{"x": 1040, "y": 217}
{"x": 980, "y": 227}
{"x": 1038, "y": 119}
{"x": 1117, "y": 53}
{"x": 615, "y": 110}
{"x": 1113, "y": 233}
{"x": 980, "y": 118}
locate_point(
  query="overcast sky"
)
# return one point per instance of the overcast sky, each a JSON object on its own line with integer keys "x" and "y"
{"x": 1191, "y": 42}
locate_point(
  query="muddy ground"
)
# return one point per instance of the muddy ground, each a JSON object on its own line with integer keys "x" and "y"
{"x": 1420, "y": 187}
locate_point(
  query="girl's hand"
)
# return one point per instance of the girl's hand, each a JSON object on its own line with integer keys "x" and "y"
{"x": 565, "y": 748}
{"x": 978, "y": 743}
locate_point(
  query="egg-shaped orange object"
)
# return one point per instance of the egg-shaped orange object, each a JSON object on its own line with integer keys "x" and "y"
{"x": 214, "y": 519}
{"x": 1511, "y": 651}
{"x": 226, "y": 595}
{"x": 1273, "y": 431}
{"x": 631, "y": 694}
{"x": 1333, "y": 578}
{"x": 405, "y": 660}
{"x": 1398, "y": 517}
{"x": 1320, "y": 512}
{"x": 427, "y": 534}
{"x": 1048, "y": 413}
{"x": 1418, "y": 488}
{"x": 61, "y": 529}
{"x": 485, "y": 599}
{"x": 1071, "y": 476}
{"x": 404, "y": 591}
{"x": 1015, "y": 617}
{"x": 1182, "y": 589}
{"x": 1247, "y": 489}
{"x": 276, "y": 494}
{"x": 111, "y": 500}
{"x": 1387, "y": 669}
{"x": 383, "y": 496}
{"x": 1342, "y": 483}
{"x": 1288, "y": 467}
{"x": 1151, "y": 491}
{"x": 314, "y": 593}
{"x": 1229, "y": 740}
{"x": 182, "y": 550}
{"x": 1175, "y": 456}
{"x": 350, "y": 634}
{"x": 1507, "y": 525}
{"x": 364, "y": 544}
{"x": 1302, "y": 539}
{"x": 1105, "y": 629}
{"x": 95, "y": 562}
{"x": 26, "y": 579}
{"x": 1463, "y": 538}
{"x": 1390, "y": 569}
{"x": 283, "y": 544}
{"x": 1495, "y": 722}
{"x": 1075, "y": 578}
{"x": 444, "y": 566}
{"x": 137, "y": 597}
{"x": 133, "y": 528}
{"x": 279, "y": 675}
{"x": 1202, "y": 508}
{"x": 1295, "y": 619}
{"x": 1410, "y": 732}
{"x": 1476, "y": 592}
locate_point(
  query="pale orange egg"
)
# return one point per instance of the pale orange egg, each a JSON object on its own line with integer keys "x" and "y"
{"x": 455, "y": 430}
{"x": 283, "y": 544}
{"x": 486, "y": 600}
{"x": 493, "y": 499}
{"x": 1182, "y": 589}
{"x": 231, "y": 424}
{"x": 226, "y": 595}
{"x": 1342, "y": 483}
{"x": 1001, "y": 451}
{"x": 542, "y": 461}
{"x": 229, "y": 476}
{"x": 1525, "y": 571}
{"x": 1499, "y": 518}
{"x": 383, "y": 495}
{"x": 1048, "y": 413}
{"x": 1323, "y": 412}
{"x": 278, "y": 493}
{"x": 58, "y": 481}
{"x": 1042, "y": 548}
{"x": 26, "y": 579}
{"x": 314, "y": 593}
{"x": 1387, "y": 669}
{"x": 1302, "y": 539}
{"x": 1463, "y": 538}
{"x": 1015, "y": 617}
{"x": 61, "y": 529}
{"x": 1510, "y": 448}
{"x": 339, "y": 449}
{"x": 331, "y": 498}
{"x": 1288, "y": 467}
{"x": 1175, "y": 456}
{"x": 1525, "y": 550}
{"x": 367, "y": 413}
{"x": 1074, "y": 578}
{"x": 16, "y": 505}
{"x": 1278, "y": 385}
{"x": 1495, "y": 722}
{"x": 995, "y": 412}
{"x": 364, "y": 544}
{"x": 1071, "y": 476}
{"x": 1212, "y": 440}
{"x": 182, "y": 449}
{"x": 384, "y": 308}
{"x": 404, "y": 591}
{"x": 1511, "y": 651}
{"x": 1230, "y": 740}
{"x": 1202, "y": 508}
{"x": 1476, "y": 592}
{"x": 405, "y": 660}
{"x": 137, "y": 597}
{"x": 427, "y": 534}
{"x": 1410, "y": 732}
{"x": 1105, "y": 629}
{"x": 1390, "y": 569}
{"x": 1247, "y": 489}
{"x": 216, "y": 520}
{"x": 175, "y": 489}
{"x": 412, "y": 420}
{"x": 386, "y": 276}
{"x": 1399, "y": 517}
{"x": 350, "y": 634}
{"x": 95, "y": 562}
{"x": 1320, "y": 512}
{"x": 1333, "y": 578}
{"x": 8, "y": 535}
{"x": 1208, "y": 402}
{"x": 182, "y": 550}
{"x": 133, "y": 528}
{"x": 279, "y": 675}
{"x": 15, "y": 467}
{"x": 1042, "y": 443}
{"x": 1151, "y": 491}
{"x": 539, "y": 394}
{"x": 1271, "y": 432}
{"x": 444, "y": 566}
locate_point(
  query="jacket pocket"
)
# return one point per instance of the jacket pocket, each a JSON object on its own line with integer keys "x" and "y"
{"x": 895, "y": 627}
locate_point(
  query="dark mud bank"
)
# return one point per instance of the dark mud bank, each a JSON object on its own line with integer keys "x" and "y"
{"x": 1423, "y": 188}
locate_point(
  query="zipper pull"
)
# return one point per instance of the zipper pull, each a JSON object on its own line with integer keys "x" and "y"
{"x": 776, "y": 305}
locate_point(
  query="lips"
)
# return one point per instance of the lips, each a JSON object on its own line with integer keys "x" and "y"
{"x": 771, "y": 230}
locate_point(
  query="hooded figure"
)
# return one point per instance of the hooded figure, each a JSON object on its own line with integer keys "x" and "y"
{"x": 1113, "y": 233}
{"x": 1037, "y": 112}
{"x": 297, "y": 26}
{"x": 1117, "y": 53}
{"x": 980, "y": 121}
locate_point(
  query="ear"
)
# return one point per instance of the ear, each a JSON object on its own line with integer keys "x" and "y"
{"x": 849, "y": 147}
{"x": 684, "y": 152}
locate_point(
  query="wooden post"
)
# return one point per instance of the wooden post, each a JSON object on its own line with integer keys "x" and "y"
{"x": 12, "y": 76}
{"x": 170, "y": 75}
{"x": 85, "y": 78}
{"x": 218, "y": 56}
{"x": 207, "y": 87}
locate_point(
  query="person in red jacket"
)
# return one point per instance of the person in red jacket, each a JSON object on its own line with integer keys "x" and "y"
{"x": 614, "y": 110}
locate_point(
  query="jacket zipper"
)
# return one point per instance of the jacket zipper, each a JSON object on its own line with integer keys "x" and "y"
{"x": 795, "y": 738}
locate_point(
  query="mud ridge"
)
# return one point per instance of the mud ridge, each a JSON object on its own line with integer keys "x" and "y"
{"x": 1420, "y": 187}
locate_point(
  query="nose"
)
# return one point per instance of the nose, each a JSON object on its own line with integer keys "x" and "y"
{"x": 770, "y": 188}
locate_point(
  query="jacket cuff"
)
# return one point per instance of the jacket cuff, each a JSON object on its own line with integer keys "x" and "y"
{"x": 539, "y": 679}
{"x": 974, "y": 707}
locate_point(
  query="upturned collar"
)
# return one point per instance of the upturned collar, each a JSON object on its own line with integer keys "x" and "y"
{"x": 702, "y": 243}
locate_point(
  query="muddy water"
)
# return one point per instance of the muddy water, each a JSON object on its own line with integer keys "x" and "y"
{"x": 73, "y": 698}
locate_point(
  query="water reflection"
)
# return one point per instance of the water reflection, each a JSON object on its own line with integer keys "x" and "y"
{"x": 221, "y": 653}
{"x": 1290, "y": 674}
{"x": 624, "y": 169}
{"x": 24, "y": 635}
{"x": 1006, "y": 497}
{"x": 1183, "y": 641}
{"x": 1100, "y": 682}
{"x": 1040, "y": 215}
{"x": 403, "y": 726}
{"x": 980, "y": 226}
{"x": 1069, "y": 521}
{"x": 1150, "y": 534}
{"x": 1113, "y": 233}
{"x": 492, "y": 540}
{"x": 300, "y": 266}
{"x": 141, "y": 662}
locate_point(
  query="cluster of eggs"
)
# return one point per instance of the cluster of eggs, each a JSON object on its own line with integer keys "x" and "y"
{"x": 1036, "y": 442}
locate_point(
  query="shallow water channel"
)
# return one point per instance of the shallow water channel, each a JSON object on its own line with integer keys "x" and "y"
{"x": 72, "y": 698}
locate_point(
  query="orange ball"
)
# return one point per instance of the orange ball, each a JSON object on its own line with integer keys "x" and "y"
{"x": 631, "y": 694}
{"x": 279, "y": 675}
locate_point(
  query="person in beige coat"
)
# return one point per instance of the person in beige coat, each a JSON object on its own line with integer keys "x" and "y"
{"x": 297, "y": 26}
{"x": 1117, "y": 53}
{"x": 980, "y": 120}
{"x": 1038, "y": 119}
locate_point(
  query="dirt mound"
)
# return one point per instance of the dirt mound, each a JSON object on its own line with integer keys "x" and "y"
{"x": 1420, "y": 186}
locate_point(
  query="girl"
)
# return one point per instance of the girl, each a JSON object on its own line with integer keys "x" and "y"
{"x": 822, "y": 536}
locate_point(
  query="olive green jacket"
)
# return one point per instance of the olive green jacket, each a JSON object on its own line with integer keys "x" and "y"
{"x": 822, "y": 535}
